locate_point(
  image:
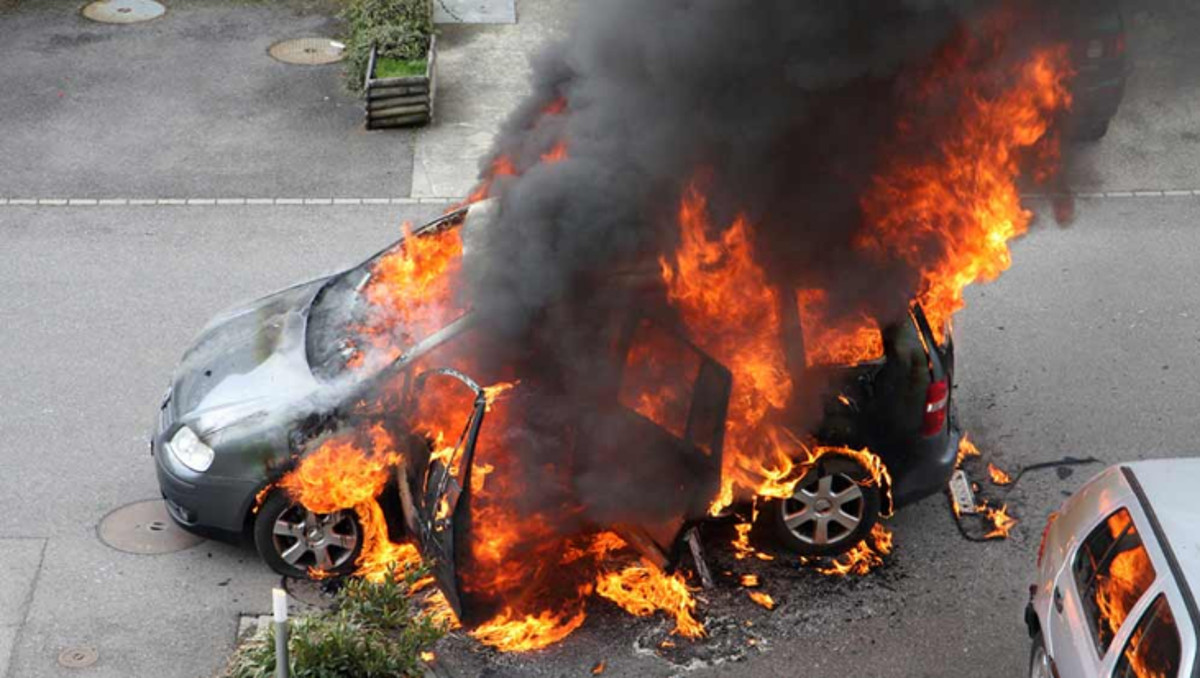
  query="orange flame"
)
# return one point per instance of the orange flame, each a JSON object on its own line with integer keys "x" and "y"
{"x": 865, "y": 556}
{"x": 1002, "y": 522}
{"x": 762, "y": 599}
{"x": 510, "y": 631}
{"x": 962, "y": 202}
{"x": 966, "y": 449}
{"x": 723, "y": 296}
{"x": 556, "y": 154}
{"x": 1129, "y": 574}
{"x": 642, "y": 590}
{"x": 412, "y": 288}
{"x": 998, "y": 475}
{"x": 836, "y": 341}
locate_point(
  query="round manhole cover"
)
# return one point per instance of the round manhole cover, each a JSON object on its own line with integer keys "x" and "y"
{"x": 308, "y": 51}
{"x": 144, "y": 528}
{"x": 123, "y": 11}
{"x": 78, "y": 657}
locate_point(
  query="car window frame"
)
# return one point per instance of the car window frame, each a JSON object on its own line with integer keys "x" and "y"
{"x": 1133, "y": 622}
{"x": 1106, "y": 654}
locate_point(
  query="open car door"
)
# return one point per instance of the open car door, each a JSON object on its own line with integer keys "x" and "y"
{"x": 652, "y": 459}
{"x": 436, "y": 509}
{"x": 645, "y": 459}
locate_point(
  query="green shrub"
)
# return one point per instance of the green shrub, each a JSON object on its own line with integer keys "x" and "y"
{"x": 374, "y": 631}
{"x": 399, "y": 29}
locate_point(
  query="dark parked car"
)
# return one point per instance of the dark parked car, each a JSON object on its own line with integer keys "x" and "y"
{"x": 261, "y": 382}
{"x": 1095, "y": 30}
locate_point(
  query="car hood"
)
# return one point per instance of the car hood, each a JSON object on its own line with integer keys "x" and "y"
{"x": 246, "y": 361}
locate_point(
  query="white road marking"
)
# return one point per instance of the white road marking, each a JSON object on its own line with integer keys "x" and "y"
{"x": 343, "y": 202}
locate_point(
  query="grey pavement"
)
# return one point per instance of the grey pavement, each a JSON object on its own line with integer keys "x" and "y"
{"x": 1154, "y": 142}
{"x": 187, "y": 105}
{"x": 483, "y": 74}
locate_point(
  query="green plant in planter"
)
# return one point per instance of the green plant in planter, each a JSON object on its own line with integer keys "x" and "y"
{"x": 375, "y": 631}
{"x": 399, "y": 29}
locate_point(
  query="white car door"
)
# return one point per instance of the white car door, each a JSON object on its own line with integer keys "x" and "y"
{"x": 1095, "y": 592}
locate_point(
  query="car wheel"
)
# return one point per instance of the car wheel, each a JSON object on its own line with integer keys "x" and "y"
{"x": 833, "y": 507}
{"x": 1040, "y": 665}
{"x": 293, "y": 540}
{"x": 1093, "y": 132}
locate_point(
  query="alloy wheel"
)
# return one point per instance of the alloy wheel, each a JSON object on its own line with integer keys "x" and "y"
{"x": 824, "y": 510}
{"x": 305, "y": 539}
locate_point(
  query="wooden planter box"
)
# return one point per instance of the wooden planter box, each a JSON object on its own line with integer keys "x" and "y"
{"x": 402, "y": 102}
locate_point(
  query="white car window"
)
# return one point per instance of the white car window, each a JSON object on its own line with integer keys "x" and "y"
{"x": 1153, "y": 649}
{"x": 1112, "y": 571}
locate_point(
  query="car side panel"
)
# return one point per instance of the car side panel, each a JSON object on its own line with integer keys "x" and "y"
{"x": 1066, "y": 634}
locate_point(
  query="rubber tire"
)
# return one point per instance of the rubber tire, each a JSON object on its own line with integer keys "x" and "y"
{"x": 1093, "y": 132}
{"x": 773, "y": 512}
{"x": 276, "y": 503}
{"x": 1038, "y": 644}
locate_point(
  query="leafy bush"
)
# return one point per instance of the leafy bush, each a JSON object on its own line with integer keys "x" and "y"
{"x": 399, "y": 29}
{"x": 374, "y": 631}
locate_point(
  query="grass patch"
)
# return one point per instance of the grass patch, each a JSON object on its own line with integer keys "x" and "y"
{"x": 400, "y": 30}
{"x": 373, "y": 631}
{"x": 388, "y": 67}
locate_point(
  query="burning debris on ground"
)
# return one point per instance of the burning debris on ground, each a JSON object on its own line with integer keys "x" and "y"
{"x": 697, "y": 241}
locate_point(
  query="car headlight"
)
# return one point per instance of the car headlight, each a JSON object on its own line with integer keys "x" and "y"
{"x": 190, "y": 450}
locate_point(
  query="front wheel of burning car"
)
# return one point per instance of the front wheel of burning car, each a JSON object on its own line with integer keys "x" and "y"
{"x": 832, "y": 508}
{"x": 294, "y": 541}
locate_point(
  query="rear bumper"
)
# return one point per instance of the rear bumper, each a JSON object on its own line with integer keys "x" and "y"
{"x": 1096, "y": 97}
{"x": 924, "y": 468}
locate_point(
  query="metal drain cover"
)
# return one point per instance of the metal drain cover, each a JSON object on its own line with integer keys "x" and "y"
{"x": 308, "y": 51}
{"x": 78, "y": 657}
{"x": 144, "y": 528}
{"x": 123, "y": 11}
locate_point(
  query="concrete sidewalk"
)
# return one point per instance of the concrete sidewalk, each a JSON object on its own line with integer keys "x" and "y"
{"x": 483, "y": 72}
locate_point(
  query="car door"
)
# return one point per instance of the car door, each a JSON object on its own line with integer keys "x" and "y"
{"x": 1103, "y": 585}
{"x": 435, "y": 476}
{"x": 654, "y": 452}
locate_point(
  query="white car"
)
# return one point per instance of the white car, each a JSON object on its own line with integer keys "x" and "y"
{"x": 1116, "y": 569}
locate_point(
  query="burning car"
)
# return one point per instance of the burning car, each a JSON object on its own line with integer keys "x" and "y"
{"x": 264, "y": 384}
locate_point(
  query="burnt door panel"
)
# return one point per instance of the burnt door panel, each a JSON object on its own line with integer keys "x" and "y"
{"x": 651, "y": 462}
{"x": 435, "y": 483}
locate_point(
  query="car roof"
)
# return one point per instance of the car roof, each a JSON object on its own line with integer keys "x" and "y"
{"x": 1170, "y": 487}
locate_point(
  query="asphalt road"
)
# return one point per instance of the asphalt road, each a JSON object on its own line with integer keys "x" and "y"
{"x": 1087, "y": 347}
{"x": 185, "y": 106}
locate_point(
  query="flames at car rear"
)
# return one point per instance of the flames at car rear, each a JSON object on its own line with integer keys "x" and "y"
{"x": 536, "y": 535}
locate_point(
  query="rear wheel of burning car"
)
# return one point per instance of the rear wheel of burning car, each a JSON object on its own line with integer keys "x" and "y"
{"x": 832, "y": 508}
{"x": 293, "y": 540}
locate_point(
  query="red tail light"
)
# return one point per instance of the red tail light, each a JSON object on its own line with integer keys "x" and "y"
{"x": 1045, "y": 532}
{"x": 936, "y": 399}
